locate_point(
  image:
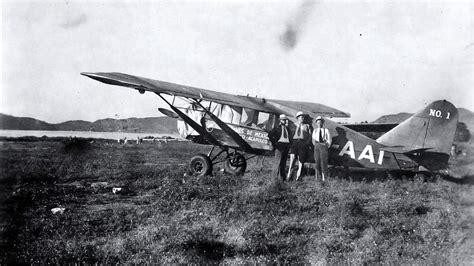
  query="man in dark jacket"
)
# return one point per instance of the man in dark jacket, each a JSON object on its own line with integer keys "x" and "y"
{"x": 281, "y": 139}
{"x": 301, "y": 141}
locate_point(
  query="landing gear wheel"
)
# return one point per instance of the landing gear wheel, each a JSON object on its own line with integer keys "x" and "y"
{"x": 235, "y": 165}
{"x": 200, "y": 165}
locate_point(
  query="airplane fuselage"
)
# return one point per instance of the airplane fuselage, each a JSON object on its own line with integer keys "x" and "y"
{"x": 352, "y": 149}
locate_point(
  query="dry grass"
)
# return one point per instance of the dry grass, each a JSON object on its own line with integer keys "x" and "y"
{"x": 167, "y": 217}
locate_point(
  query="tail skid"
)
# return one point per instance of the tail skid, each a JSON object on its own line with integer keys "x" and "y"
{"x": 426, "y": 137}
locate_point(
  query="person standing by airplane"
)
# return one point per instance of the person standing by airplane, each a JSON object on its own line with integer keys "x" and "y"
{"x": 322, "y": 141}
{"x": 281, "y": 139}
{"x": 299, "y": 146}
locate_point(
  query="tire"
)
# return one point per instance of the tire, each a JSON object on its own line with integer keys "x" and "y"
{"x": 200, "y": 165}
{"x": 236, "y": 165}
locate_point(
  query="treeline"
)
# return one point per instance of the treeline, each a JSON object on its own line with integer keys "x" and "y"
{"x": 462, "y": 133}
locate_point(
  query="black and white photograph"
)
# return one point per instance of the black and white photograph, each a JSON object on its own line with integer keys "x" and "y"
{"x": 237, "y": 132}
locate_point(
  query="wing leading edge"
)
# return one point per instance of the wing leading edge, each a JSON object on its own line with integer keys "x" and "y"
{"x": 259, "y": 104}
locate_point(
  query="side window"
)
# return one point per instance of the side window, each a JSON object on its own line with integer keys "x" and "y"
{"x": 263, "y": 119}
{"x": 226, "y": 114}
{"x": 249, "y": 117}
{"x": 215, "y": 109}
{"x": 272, "y": 122}
{"x": 266, "y": 121}
{"x": 236, "y": 114}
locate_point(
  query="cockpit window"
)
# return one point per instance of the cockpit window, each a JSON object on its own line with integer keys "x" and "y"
{"x": 249, "y": 117}
{"x": 236, "y": 114}
{"x": 266, "y": 121}
{"x": 226, "y": 113}
{"x": 263, "y": 118}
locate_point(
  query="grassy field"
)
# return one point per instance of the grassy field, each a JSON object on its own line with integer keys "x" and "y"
{"x": 166, "y": 216}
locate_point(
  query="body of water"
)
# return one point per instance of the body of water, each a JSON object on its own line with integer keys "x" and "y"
{"x": 81, "y": 134}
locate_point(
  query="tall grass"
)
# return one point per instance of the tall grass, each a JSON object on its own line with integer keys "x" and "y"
{"x": 167, "y": 216}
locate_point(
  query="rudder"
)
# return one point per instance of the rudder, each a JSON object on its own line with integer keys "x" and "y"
{"x": 433, "y": 129}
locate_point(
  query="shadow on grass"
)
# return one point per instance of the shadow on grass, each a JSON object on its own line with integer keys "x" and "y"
{"x": 465, "y": 180}
{"x": 370, "y": 175}
{"x": 212, "y": 251}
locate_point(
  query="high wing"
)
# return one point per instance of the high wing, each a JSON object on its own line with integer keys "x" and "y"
{"x": 313, "y": 109}
{"x": 259, "y": 104}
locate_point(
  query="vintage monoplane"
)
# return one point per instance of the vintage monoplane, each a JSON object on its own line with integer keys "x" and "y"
{"x": 239, "y": 126}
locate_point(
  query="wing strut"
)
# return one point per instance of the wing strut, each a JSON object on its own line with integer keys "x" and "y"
{"x": 201, "y": 130}
{"x": 234, "y": 135}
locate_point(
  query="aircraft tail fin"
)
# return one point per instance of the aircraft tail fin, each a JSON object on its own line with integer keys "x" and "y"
{"x": 431, "y": 131}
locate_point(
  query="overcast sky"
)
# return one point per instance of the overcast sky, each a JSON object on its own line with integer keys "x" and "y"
{"x": 368, "y": 59}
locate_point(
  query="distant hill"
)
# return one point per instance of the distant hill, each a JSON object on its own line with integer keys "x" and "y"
{"x": 467, "y": 117}
{"x": 24, "y": 123}
{"x": 74, "y": 125}
{"x": 162, "y": 125}
{"x": 394, "y": 118}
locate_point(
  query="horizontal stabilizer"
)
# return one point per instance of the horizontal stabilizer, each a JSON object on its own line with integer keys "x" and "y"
{"x": 404, "y": 150}
{"x": 371, "y": 127}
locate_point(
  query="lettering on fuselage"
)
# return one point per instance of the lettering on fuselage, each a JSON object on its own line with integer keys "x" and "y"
{"x": 366, "y": 154}
{"x": 439, "y": 113}
{"x": 252, "y": 135}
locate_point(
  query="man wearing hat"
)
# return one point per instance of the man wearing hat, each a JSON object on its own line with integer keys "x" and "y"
{"x": 301, "y": 141}
{"x": 322, "y": 141}
{"x": 281, "y": 140}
